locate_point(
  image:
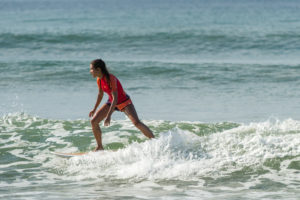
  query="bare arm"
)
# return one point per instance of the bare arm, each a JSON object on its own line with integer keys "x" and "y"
{"x": 99, "y": 98}
{"x": 111, "y": 108}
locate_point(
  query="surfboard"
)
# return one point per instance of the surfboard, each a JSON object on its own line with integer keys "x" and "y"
{"x": 69, "y": 155}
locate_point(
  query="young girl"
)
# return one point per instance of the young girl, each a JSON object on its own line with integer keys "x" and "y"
{"x": 117, "y": 100}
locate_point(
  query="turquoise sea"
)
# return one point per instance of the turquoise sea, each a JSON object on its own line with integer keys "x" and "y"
{"x": 217, "y": 82}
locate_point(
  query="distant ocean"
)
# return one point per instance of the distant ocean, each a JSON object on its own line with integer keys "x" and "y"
{"x": 217, "y": 81}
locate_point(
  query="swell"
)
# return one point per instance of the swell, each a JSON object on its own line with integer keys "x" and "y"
{"x": 191, "y": 41}
{"x": 197, "y": 74}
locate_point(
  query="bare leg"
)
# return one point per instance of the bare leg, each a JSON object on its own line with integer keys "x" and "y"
{"x": 131, "y": 113}
{"x": 97, "y": 118}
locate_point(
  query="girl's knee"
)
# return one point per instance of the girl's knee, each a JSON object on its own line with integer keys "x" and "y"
{"x": 136, "y": 122}
{"x": 94, "y": 122}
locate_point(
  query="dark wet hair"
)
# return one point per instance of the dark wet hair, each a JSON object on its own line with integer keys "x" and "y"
{"x": 99, "y": 63}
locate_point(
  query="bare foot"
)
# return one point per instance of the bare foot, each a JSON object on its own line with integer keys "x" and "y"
{"x": 98, "y": 149}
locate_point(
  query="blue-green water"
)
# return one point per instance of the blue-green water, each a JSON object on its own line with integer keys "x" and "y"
{"x": 216, "y": 81}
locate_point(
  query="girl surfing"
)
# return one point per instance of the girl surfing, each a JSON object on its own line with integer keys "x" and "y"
{"x": 117, "y": 100}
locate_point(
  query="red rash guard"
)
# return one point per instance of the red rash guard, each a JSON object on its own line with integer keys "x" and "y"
{"x": 115, "y": 86}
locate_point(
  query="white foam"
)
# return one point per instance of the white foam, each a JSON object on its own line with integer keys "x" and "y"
{"x": 182, "y": 155}
{"x": 173, "y": 155}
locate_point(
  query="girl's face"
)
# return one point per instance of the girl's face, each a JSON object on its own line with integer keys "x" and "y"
{"x": 95, "y": 72}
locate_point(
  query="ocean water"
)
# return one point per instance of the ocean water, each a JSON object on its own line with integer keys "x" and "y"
{"x": 217, "y": 82}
